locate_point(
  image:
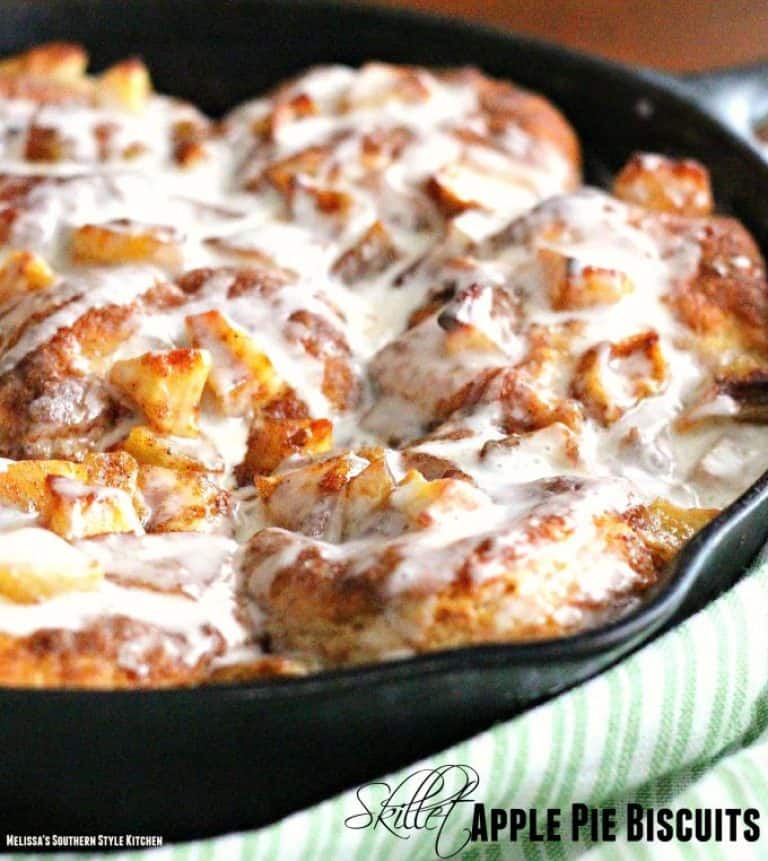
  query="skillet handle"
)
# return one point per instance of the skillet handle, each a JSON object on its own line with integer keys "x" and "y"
{"x": 737, "y": 96}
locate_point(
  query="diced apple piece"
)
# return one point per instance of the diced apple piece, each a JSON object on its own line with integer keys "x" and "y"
{"x": 413, "y": 492}
{"x": 79, "y": 510}
{"x": 36, "y": 564}
{"x": 125, "y": 85}
{"x": 426, "y": 502}
{"x": 271, "y": 441}
{"x": 22, "y": 272}
{"x": 124, "y": 241}
{"x": 667, "y": 527}
{"x": 172, "y": 452}
{"x": 573, "y": 285}
{"x": 678, "y": 524}
{"x": 245, "y": 250}
{"x": 374, "y": 252}
{"x": 283, "y": 174}
{"x": 46, "y": 144}
{"x": 479, "y": 318}
{"x": 463, "y": 337}
{"x": 663, "y": 184}
{"x": 366, "y": 493}
{"x": 181, "y": 502}
{"x": 116, "y": 469}
{"x": 167, "y": 386}
{"x": 378, "y": 83}
{"x": 189, "y": 138}
{"x": 309, "y": 201}
{"x": 112, "y": 469}
{"x": 382, "y": 145}
{"x": 60, "y": 61}
{"x": 468, "y": 338}
{"x": 286, "y": 111}
{"x": 612, "y": 377}
{"x": 309, "y": 498}
{"x": 464, "y": 185}
{"x": 241, "y": 377}
{"x": 23, "y": 482}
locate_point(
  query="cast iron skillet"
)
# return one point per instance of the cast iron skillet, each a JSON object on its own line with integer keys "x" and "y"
{"x": 184, "y": 763}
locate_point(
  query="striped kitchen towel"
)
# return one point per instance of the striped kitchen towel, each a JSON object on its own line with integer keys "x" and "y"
{"x": 681, "y": 725}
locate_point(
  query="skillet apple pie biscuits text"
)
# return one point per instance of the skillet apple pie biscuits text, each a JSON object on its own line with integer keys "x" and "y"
{"x": 358, "y": 371}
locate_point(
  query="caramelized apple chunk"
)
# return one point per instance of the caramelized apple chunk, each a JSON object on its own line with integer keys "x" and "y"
{"x": 172, "y": 452}
{"x": 273, "y": 440}
{"x": 23, "y": 482}
{"x": 125, "y": 241}
{"x": 283, "y": 174}
{"x": 286, "y": 112}
{"x": 366, "y": 494}
{"x": 23, "y": 272}
{"x": 242, "y": 377}
{"x": 310, "y": 498}
{"x": 36, "y": 564}
{"x": 80, "y": 510}
{"x": 572, "y": 284}
{"x": 479, "y": 318}
{"x": 125, "y": 85}
{"x": 46, "y": 144}
{"x": 181, "y": 501}
{"x": 612, "y": 377}
{"x": 189, "y": 137}
{"x": 167, "y": 386}
{"x": 111, "y": 469}
{"x": 379, "y": 83}
{"x": 425, "y": 502}
{"x": 466, "y": 185}
{"x": 60, "y": 61}
{"x": 27, "y": 483}
{"x": 666, "y": 527}
{"x": 679, "y": 186}
{"x": 374, "y": 252}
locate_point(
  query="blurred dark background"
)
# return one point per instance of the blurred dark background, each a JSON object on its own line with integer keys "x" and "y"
{"x": 677, "y": 35}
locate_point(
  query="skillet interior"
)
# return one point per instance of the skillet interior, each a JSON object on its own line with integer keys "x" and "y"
{"x": 185, "y": 763}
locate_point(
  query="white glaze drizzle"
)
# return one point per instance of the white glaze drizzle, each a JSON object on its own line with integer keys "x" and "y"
{"x": 208, "y": 202}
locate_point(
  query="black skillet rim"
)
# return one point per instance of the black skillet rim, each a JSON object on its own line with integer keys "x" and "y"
{"x": 646, "y": 619}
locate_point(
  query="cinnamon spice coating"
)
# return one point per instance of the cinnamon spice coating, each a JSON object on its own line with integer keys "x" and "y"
{"x": 360, "y": 371}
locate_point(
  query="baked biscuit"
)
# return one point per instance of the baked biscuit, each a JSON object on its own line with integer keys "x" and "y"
{"x": 358, "y": 372}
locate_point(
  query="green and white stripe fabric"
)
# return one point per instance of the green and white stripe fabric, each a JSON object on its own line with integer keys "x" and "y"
{"x": 682, "y": 723}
